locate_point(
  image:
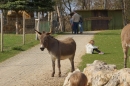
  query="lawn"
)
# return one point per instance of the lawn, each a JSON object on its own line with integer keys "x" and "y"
{"x": 13, "y": 44}
{"x": 110, "y": 43}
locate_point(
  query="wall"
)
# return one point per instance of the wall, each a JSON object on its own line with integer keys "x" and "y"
{"x": 115, "y": 23}
{"x": 117, "y": 19}
{"x": 86, "y": 24}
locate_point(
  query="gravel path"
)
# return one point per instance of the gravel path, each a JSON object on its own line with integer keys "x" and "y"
{"x": 33, "y": 67}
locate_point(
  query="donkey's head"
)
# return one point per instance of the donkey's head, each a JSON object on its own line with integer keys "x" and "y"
{"x": 43, "y": 37}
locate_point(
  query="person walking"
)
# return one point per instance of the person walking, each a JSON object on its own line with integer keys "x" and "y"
{"x": 75, "y": 19}
{"x": 71, "y": 22}
{"x": 81, "y": 25}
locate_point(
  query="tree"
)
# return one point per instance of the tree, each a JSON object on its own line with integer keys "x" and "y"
{"x": 68, "y": 4}
{"x": 26, "y": 5}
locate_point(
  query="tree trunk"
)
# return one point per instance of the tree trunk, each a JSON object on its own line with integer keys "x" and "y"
{"x": 50, "y": 20}
{"x": 123, "y": 13}
{"x": 60, "y": 20}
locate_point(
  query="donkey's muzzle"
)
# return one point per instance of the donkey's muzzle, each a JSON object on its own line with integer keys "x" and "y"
{"x": 42, "y": 48}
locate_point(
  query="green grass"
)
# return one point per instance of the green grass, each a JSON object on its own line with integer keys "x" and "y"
{"x": 110, "y": 43}
{"x": 13, "y": 44}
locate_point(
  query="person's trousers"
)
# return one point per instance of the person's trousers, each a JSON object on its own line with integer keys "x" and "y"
{"x": 81, "y": 27}
{"x": 95, "y": 49}
{"x": 76, "y": 27}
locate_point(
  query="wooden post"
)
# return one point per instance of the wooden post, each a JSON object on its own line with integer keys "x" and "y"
{"x": 49, "y": 20}
{"x": 38, "y": 21}
{"x": 16, "y": 23}
{"x": 51, "y": 23}
{"x": 23, "y": 27}
{"x": 37, "y": 24}
{"x": 1, "y": 32}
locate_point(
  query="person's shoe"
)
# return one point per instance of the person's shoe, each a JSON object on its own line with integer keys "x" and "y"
{"x": 81, "y": 32}
{"x": 101, "y": 53}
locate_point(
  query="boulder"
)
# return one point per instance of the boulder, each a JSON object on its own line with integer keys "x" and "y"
{"x": 100, "y": 73}
{"x": 120, "y": 78}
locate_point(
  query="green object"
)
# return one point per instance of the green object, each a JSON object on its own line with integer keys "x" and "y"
{"x": 28, "y": 5}
{"x": 44, "y": 26}
{"x": 13, "y": 45}
{"x": 109, "y": 42}
{"x": 112, "y": 19}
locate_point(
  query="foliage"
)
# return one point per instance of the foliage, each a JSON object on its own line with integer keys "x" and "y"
{"x": 126, "y": 11}
{"x": 103, "y": 4}
{"x": 13, "y": 44}
{"x": 110, "y": 43}
{"x": 68, "y": 4}
{"x": 41, "y": 5}
{"x": 27, "y": 5}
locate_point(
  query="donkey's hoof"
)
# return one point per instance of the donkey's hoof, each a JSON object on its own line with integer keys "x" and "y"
{"x": 125, "y": 66}
{"x": 52, "y": 75}
{"x": 59, "y": 75}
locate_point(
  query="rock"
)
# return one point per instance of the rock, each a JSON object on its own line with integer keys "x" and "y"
{"x": 120, "y": 78}
{"x": 100, "y": 73}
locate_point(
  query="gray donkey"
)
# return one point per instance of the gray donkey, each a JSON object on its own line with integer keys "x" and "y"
{"x": 58, "y": 49}
{"x": 125, "y": 40}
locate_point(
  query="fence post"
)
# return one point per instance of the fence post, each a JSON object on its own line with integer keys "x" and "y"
{"x": 37, "y": 22}
{"x": 23, "y": 28}
{"x": 1, "y": 32}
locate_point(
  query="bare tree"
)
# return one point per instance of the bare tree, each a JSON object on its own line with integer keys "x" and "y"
{"x": 82, "y": 3}
{"x": 123, "y": 12}
{"x": 67, "y": 4}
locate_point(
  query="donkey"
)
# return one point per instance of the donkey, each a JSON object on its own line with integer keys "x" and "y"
{"x": 125, "y": 40}
{"x": 58, "y": 49}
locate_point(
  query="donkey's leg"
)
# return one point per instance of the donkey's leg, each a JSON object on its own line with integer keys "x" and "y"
{"x": 72, "y": 64}
{"x": 125, "y": 50}
{"x": 53, "y": 66}
{"x": 58, "y": 60}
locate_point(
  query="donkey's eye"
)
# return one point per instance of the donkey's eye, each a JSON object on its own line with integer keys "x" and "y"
{"x": 45, "y": 41}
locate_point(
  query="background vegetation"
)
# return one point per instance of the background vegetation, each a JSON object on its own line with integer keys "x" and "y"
{"x": 110, "y": 43}
{"x": 13, "y": 44}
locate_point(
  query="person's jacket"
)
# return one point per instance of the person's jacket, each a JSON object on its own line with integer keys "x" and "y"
{"x": 89, "y": 48}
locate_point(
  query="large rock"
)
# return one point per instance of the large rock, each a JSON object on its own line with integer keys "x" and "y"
{"x": 120, "y": 78}
{"x": 100, "y": 73}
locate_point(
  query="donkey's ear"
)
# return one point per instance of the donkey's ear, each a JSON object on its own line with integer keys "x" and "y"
{"x": 39, "y": 33}
{"x": 43, "y": 32}
{"x": 48, "y": 33}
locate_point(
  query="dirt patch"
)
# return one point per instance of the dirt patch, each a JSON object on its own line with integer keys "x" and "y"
{"x": 33, "y": 67}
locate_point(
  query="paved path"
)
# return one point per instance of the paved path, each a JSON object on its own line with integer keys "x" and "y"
{"x": 33, "y": 67}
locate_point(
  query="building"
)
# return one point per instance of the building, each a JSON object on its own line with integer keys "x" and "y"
{"x": 102, "y": 15}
